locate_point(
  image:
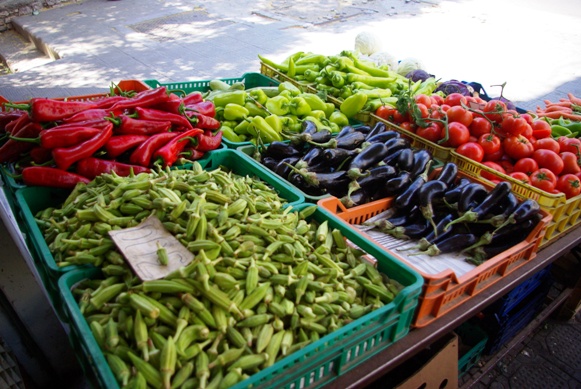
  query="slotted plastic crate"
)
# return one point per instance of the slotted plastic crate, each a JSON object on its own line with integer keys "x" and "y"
{"x": 472, "y": 341}
{"x": 446, "y": 290}
{"x": 314, "y": 366}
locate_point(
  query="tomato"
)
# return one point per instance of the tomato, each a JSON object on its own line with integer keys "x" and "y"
{"x": 544, "y": 179}
{"x": 423, "y": 99}
{"x": 454, "y": 99}
{"x": 431, "y": 132}
{"x": 541, "y": 129}
{"x": 528, "y": 118}
{"x": 570, "y": 144}
{"x": 548, "y": 144}
{"x": 571, "y": 163}
{"x": 457, "y": 134}
{"x": 459, "y": 114}
{"x": 385, "y": 112}
{"x": 471, "y": 150}
{"x": 528, "y": 132}
{"x": 513, "y": 125}
{"x": 494, "y": 109}
{"x": 496, "y": 156}
{"x": 423, "y": 109}
{"x": 408, "y": 126}
{"x": 506, "y": 165}
{"x": 398, "y": 117}
{"x": 436, "y": 112}
{"x": 526, "y": 166}
{"x": 437, "y": 99}
{"x": 480, "y": 126}
{"x": 517, "y": 147}
{"x": 520, "y": 176}
{"x": 490, "y": 143}
{"x": 494, "y": 166}
{"x": 550, "y": 160}
{"x": 444, "y": 107}
{"x": 569, "y": 184}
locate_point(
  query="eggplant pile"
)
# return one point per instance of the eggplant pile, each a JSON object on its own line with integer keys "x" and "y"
{"x": 451, "y": 214}
{"x": 357, "y": 165}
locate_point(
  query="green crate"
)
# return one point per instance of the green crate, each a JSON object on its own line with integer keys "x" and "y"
{"x": 312, "y": 367}
{"x": 472, "y": 343}
{"x": 250, "y": 80}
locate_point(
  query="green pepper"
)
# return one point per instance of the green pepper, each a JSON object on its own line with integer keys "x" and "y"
{"x": 329, "y": 109}
{"x": 557, "y": 131}
{"x": 299, "y": 106}
{"x": 255, "y": 110}
{"x": 320, "y": 115}
{"x": 346, "y": 91}
{"x": 372, "y": 105}
{"x": 260, "y": 128}
{"x": 331, "y": 90}
{"x": 353, "y": 104}
{"x": 234, "y": 97}
{"x": 235, "y": 112}
{"x": 378, "y": 82}
{"x": 281, "y": 67}
{"x": 275, "y": 122}
{"x": 314, "y": 101}
{"x": 278, "y": 105}
{"x": 287, "y": 94}
{"x": 337, "y": 78}
{"x": 228, "y": 133}
{"x": 291, "y": 123}
{"x": 360, "y": 85}
{"x": 258, "y": 95}
{"x": 242, "y": 127}
{"x": 287, "y": 85}
{"x": 311, "y": 75}
{"x": 573, "y": 126}
{"x": 376, "y": 93}
{"x": 339, "y": 118}
{"x": 426, "y": 87}
{"x": 320, "y": 126}
{"x": 230, "y": 123}
{"x": 311, "y": 58}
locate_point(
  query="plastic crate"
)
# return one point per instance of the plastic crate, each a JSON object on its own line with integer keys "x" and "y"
{"x": 445, "y": 290}
{"x": 124, "y": 85}
{"x": 315, "y": 365}
{"x": 472, "y": 342}
{"x": 250, "y": 80}
{"x": 565, "y": 211}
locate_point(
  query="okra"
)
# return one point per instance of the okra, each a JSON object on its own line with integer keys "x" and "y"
{"x": 140, "y": 335}
{"x": 256, "y": 320}
{"x": 106, "y": 294}
{"x": 182, "y": 375}
{"x": 202, "y": 368}
{"x": 255, "y": 297}
{"x": 150, "y": 373}
{"x": 119, "y": 368}
{"x": 218, "y": 297}
{"x": 168, "y": 360}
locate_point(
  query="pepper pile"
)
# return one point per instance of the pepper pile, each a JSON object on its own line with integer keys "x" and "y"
{"x": 61, "y": 142}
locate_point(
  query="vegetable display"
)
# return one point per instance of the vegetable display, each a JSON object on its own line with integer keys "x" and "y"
{"x": 73, "y": 140}
{"x": 265, "y": 282}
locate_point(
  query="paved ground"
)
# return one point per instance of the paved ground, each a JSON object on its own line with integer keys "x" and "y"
{"x": 533, "y": 45}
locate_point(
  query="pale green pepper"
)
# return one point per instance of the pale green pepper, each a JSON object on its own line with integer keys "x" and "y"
{"x": 260, "y": 128}
{"x": 299, "y": 106}
{"x": 289, "y": 86}
{"x": 329, "y": 109}
{"x": 314, "y": 101}
{"x": 229, "y": 134}
{"x": 320, "y": 115}
{"x": 255, "y": 110}
{"x": 275, "y": 122}
{"x": 353, "y": 104}
{"x": 235, "y": 112}
{"x": 339, "y": 118}
{"x": 235, "y": 97}
{"x": 278, "y": 105}
{"x": 258, "y": 95}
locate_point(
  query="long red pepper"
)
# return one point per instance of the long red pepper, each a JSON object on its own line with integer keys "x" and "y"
{"x": 207, "y": 108}
{"x": 92, "y": 167}
{"x": 17, "y": 124}
{"x": 95, "y": 123}
{"x": 209, "y": 141}
{"x": 203, "y": 121}
{"x": 52, "y": 177}
{"x": 155, "y": 114}
{"x": 12, "y": 149}
{"x": 61, "y": 137}
{"x": 173, "y": 105}
{"x": 64, "y": 157}
{"x": 192, "y": 153}
{"x": 118, "y": 144}
{"x": 89, "y": 114}
{"x": 50, "y": 110}
{"x": 193, "y": 98}
{"x": 142, "y": 154}
{"x": 126, "y": 125}
{"x": 108, "y": 102}
{"x": 146, "y": 98}
{"x": 8, "y": 117}
{"x": 170, "y": 153}
{"x": 40, "y": 155}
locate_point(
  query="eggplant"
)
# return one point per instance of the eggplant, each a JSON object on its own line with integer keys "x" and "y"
{"x": 378, "y": 128}
{"x": 439, "y": 233}
{"x": 335, "y": 157}
{"x": 411, "y": 231}
{"x": 395, "y": 186}
{"x": 308, "y": 129}
{"x": 366, "y": 159}
{"x": 283, "y": 169}
{"x": 382, "y": 137}
{"x": 312, "y": 157}
{"x": 395, "y": 144}
{"x": 405, "y": 159}
{"x": 350, "y": 141}
{"x": 427, "y": 193}
{"x": 448, "y": 174}
{"x": 504, "y": 208}
{"x": 269, "y": 162}
{"x": 358, "y": 197}
{"x": 376, "y": 175}
{"x": 298, "y": 181}
{"x": 421, "y": 159}
{"x": 494, "y": 197}
{"x": 398, "y": 219}
{"x": 453, "y": 243}
{"x": 345, "y": 130}
{"x": 393, "y": 158}
{"x": 472, "y": 194}
{"x": 322, "y": 136}
{"x": 280, "y": 150}
{"x": 409, "y": 196}
{"x": 452, "y": 195}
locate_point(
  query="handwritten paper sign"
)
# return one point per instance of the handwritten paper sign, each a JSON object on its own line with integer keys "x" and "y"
{"x": 139, "y": 245}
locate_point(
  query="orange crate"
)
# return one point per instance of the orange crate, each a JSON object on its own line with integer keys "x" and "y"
{"x": 445, "y": 290}
{"x": 124, "y": 85}
{"x": 565, "y": 212}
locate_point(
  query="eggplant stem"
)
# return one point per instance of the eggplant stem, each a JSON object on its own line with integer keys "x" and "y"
{"x": 468, "y": 216}
{"x": 483, "y": 241}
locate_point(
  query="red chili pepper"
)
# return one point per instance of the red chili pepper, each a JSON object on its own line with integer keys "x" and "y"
{"x": 64, "y": 157}
{"x": 203, "y": 121}
{"x": 52, "y": 177}
{"x": 146, "y": 98}
{"x": 40, "y": 155}
{"x": 117, "y": 145}
{"x": 127, "y": 125}
{"x": 206, "y": 108}
{"x": 142, "y": 154}
{"x": 92, "y": 167}
{"x": 61, "y": 137}
{"x": 209, "y": 141}
{"x": 169, "y": 153}
{"x": 89, "y": 114}
{"x": 16, "y": 125}
{"x": 50, "y": 110}
{"x": 193, "y": 98}
{"x": 95, "y": 123}
{"x": 9, "y": 117}
{"x": 173, "y": 105}
{"x": 12, "y": 149}
{"x": 108, "y": 102}
{"x": 192, "y": 153}
{"x": 154, "y": 114}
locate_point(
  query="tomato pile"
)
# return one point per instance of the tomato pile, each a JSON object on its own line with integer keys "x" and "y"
{"x": 487, "y": 132}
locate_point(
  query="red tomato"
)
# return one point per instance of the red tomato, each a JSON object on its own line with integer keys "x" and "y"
{"x": 436, "y": 112}
{"x": 569, "y": 184}
{"x": 494, "y": 109}
{"x": 520, "y": 176}
{"x": 513, "y": 125}
{"x": 437, "y": 99}
{"x": 455, "y": 99}
{"x": 398, "y": 117}
{"x": 506, "y": 165}
{"x": 423, "y": 99}
{"x": 544, "y": 179}
{"x": 550, "y": 160}
{"x": 528, "y": 132}
{"x": 457, "y": 134}
{"x": 488, "y": 175}
{"x": 459, "y": 114}
{"x": 471, "y": 150}
{"x": 570, "y": 144}
{"x": 480, "y": 126}
{"x": 385, "y": 112}
{"x": 547, "y": 143}
{"x": 526, "y": 166}
{"x": 541, "y": 129}
{"x": 496, "y": 156}
{"x": 444, "y": 107}
{"x": 424, "y": 112}
{"x": 490, "y": 143}
{"x": 517, "y": 147}
{"x": 528, "y": 118}
{"x": 571, "y": 163}
{"x": 408, "y": 126}
{"x": 431, "y": 132}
